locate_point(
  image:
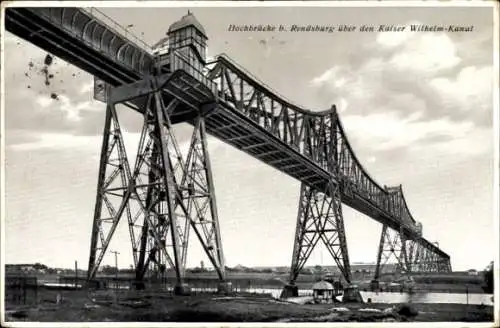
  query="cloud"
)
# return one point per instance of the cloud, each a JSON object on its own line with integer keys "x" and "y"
{"x": 61, "y": 106}
{"x": 426, "y": 77}
{"x": 469, "y": 93}
{"x": 23, "y": 141}
{"x": 423, "y": 53}
{"x": 385, "y": 131}
{"x": 56, "y": 141}
{"x": 417, "y": 97}
{"x": 391, "y": 40}
{"x": 65, "y": 106}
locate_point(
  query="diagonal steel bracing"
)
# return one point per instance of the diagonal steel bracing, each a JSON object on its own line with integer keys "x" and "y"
{"x": 392, "y": 250}
{"x": 199, "y": 197}
{"x": 408, "y": 255}
{"x": 320, "y": 218}
{"x": 112, "y": 189}
{"x": 163, "y": 197}
{"x": 162, "y": 239}
{"x": 425, "y": 260}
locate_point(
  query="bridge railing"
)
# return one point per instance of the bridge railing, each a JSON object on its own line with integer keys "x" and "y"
{"x": 117, "y": 28}
{"x": 102, "y": 35}
{"x": 177, "y": 62}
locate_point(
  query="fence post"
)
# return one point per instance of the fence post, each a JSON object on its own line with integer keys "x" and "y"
{"x": 76, "y": 274}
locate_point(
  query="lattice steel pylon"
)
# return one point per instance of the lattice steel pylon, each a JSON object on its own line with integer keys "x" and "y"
{"x": 320, "y": 218}
{"x": 392, "y": 246}
{"x": 410, "y": 255}
{"x": 424, "y": 260}
{"x": 163, "y": 196}
{"x": 320, "y": 205}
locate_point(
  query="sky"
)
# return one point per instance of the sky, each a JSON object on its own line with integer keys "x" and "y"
{"x": 416, "y": 107}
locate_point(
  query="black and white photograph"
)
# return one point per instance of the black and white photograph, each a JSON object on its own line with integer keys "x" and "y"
{"x": 228, "y": 162}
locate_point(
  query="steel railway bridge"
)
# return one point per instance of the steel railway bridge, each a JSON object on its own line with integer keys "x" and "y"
{"x": 165, "y": 195}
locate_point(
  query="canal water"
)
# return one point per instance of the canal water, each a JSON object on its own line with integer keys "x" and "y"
{"x": 376, "y": 297}
{"x": 455, "y": 298}
{"x": 387, "y": 297}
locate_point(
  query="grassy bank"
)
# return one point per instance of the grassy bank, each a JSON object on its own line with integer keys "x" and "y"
{"x": 76, "y": 306}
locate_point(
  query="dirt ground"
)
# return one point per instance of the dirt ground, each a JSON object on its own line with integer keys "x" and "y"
{"x": 135, "y": 306}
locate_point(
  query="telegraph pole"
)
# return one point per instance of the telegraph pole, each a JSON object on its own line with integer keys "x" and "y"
{"x": 76, "y": 274}
{"x": 116, "y": 266}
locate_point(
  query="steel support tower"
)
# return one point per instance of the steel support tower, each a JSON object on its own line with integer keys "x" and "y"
{"x": 392, "y": 246}
{"x": 320, "y": 209}
{"x": 319, "y": 218}
{"x": 407, "y": 255}
{"x": 163, "y": 195}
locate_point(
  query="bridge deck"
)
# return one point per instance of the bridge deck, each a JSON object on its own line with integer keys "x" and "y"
{"x": 81, "y": 39}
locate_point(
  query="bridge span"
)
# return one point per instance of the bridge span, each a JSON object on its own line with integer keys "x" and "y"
{"x": 222, "y": 99}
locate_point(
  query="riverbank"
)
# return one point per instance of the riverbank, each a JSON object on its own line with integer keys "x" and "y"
{"x": 132, "y": 306}
{"x": 455, "y": 282}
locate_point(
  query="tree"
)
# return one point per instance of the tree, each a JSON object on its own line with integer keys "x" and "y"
{"x": 39, "y": 266}
{"x": 488, "y": 278}
{"x": 107, "y": 269}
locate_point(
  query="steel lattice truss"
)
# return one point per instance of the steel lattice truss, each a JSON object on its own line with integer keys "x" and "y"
{"x": 407, "y": 255}
{"x": 320, "y": 218}
{"x": 320, "y": 137}
{"x": 165, "y": 195}
{"x": 392, "y": 250}
{"x": 310, "y": 134}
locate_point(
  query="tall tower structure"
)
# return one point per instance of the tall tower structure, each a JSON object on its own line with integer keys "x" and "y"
{"x": 188, "y": 39}
{"x": 166, "y": 194}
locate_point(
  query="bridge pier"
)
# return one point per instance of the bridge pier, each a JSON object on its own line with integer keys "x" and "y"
{"x": 290, "y": 290}
{"x": 319, "y": 218}
{"x": 166, "y": 194}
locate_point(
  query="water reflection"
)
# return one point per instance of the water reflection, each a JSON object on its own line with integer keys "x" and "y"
{"x": 376, "y": 297}
{"x": 385, "y": 297}
{"x": 429, "y": 298}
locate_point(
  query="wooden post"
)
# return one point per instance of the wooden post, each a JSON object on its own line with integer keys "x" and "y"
{"x": 76, "y": 274}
